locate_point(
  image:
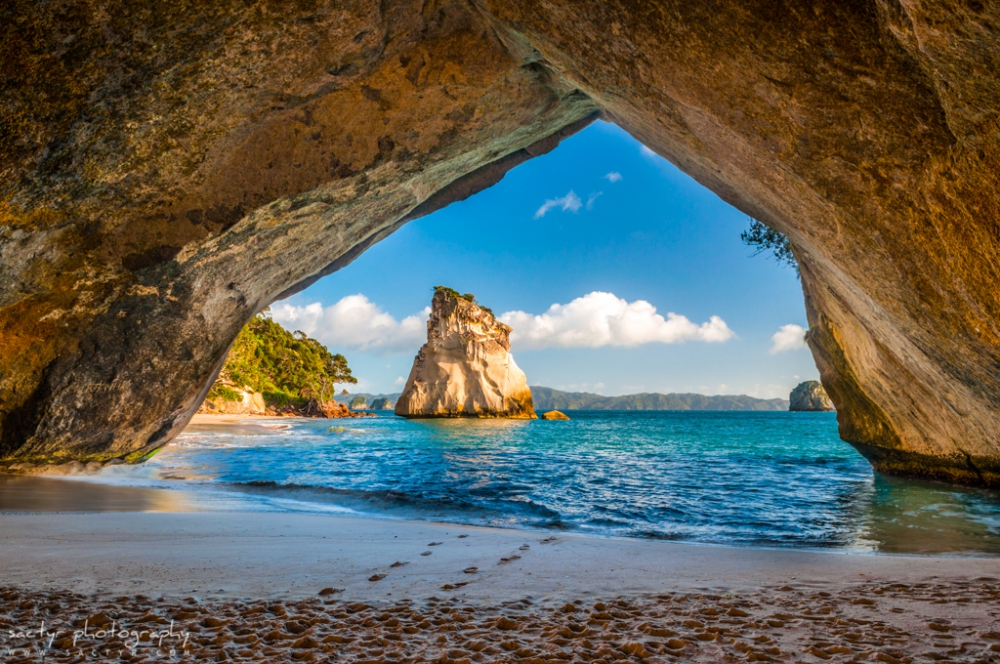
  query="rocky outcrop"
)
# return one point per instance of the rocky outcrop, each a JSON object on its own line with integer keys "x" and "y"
{"x": 555, "y": 415}
{"x": 234, "y": 401}
{"x": 809, "y": 396}
{"x": 327, "y": 409}
{"x": 381, "y": 404}
{"x": 465, "y": 369}
{"x": 169, "y": 172}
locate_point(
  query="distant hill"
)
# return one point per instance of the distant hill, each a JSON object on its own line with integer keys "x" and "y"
{"x": 546, "y": 398}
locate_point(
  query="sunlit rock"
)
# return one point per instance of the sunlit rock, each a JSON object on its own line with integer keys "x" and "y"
{"x": 465, "y": 369}
{"x": 232, "y": 400}
{"x": 168, "y": 174}
{"x": 809, "y": 396}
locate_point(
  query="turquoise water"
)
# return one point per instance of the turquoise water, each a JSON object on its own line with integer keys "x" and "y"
{"x": 738, "y": 478}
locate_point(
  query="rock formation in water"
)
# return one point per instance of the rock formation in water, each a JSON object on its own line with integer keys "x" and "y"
{"x": 809, "y": 395}
{"x": 465, "y": 369}
{"x": 555, "y": 415}
{"x": 168, "y": 173}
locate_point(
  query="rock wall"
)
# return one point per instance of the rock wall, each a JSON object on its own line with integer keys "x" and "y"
{"x": 171, "y": 168}
{"x": 809, "y": 396}
{"x": 465, "y": 369}
{"x": 250, "y": 403}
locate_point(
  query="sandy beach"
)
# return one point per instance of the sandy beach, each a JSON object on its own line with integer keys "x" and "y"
{"x": 294, "y": 587}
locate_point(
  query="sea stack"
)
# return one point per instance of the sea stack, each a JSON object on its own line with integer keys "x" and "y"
{"x": 809, "y": 396}
{"x": 465, "y": 369}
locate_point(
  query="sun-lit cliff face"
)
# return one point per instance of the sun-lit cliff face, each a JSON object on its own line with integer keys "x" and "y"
{"x": 465, "y": 369}
{"x": 170, "y": 170}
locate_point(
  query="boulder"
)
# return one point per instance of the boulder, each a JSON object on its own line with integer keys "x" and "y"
{"x": 554, "y": 415}
{"x": 465, "y": 369}
{"x": 809, "y": 396}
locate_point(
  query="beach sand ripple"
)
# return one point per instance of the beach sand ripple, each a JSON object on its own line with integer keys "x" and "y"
{"x": 865, "y": 621}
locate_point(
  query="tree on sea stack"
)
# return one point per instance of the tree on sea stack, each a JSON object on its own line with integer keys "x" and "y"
{"x": 465, "y": 369}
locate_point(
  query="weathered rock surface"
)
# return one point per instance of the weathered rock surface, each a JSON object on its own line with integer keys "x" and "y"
{"x": 465, "y": 369}
{"x": 170, "y": 169}
{"x": 809, "y": 396}
{"x": 555, "y": 415}
{"x": 250, "y": 403}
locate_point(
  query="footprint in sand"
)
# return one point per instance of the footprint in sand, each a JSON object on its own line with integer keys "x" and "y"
{"x": 470, "y": 570}
{"x": 462, "y": 536}
{"x": 435, "y": 544}
{"x": 549, "y": 539}
{"x": 523, "y": 547}
{"x": 376, "y": 577}
{"x": 330, "y": 591}
{"x": 453, "y": 586}
{"x": 509, "y": 559}
{"x": 399, "y": 564}
{"x": 426, "y": 553}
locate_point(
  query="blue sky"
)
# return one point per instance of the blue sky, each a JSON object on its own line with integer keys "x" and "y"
{"x": 635, "y": 234}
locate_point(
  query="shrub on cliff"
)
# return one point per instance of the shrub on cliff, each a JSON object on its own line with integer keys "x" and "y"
{"x": 284, "y": 366}
{"x": 763, "y": 238}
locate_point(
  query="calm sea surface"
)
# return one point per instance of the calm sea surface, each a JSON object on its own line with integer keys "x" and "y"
{"x": 736, "y": 478}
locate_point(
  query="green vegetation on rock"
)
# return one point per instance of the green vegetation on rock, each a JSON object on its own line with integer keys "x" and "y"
{"x": 224, "y": 392}
{"x": 763, "y": 238}
{"x": 286, "y": 367}
{"x": 468, "y": 297}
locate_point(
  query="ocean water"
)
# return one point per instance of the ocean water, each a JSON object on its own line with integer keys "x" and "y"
{"x": 771, "y": 479}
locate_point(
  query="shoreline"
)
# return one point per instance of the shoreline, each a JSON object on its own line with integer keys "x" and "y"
{"x": 72, "y": 494}
{"x": 232, "y": 554}
{"x": 283, "y": 586}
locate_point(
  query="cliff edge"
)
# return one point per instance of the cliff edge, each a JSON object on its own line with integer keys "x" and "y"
{"x": 809, "y": 396}
{"x": 465, "y": 369}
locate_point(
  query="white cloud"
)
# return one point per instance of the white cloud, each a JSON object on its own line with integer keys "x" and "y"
{"x": 399, "y": 381}
{"x": 356, "y": 323}
{"x": 646, "y": 152}
{"x": 789, "y": 337}
{"x": 593, "y": 197}
{"x": 603, "y": 319}
{"x": 613, "y": 176}
{"x": 570, "y": 202}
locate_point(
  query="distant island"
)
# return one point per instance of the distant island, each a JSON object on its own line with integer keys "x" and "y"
{"x": 546, "y": 398}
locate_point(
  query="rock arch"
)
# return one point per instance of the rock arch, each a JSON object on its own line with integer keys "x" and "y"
{"x": 170, "y": 169}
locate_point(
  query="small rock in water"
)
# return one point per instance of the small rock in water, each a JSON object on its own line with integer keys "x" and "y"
{"x": 554, "y": 415}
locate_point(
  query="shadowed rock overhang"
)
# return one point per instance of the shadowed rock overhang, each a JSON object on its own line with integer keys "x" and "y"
{"x": 169, "y": 169}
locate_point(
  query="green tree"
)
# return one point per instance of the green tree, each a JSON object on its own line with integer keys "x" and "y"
{"x": 284, "y": 366}
{"x": 763, "y": 238}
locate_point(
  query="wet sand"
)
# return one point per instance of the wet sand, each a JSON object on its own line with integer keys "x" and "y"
{"x": 294, "y": 587}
